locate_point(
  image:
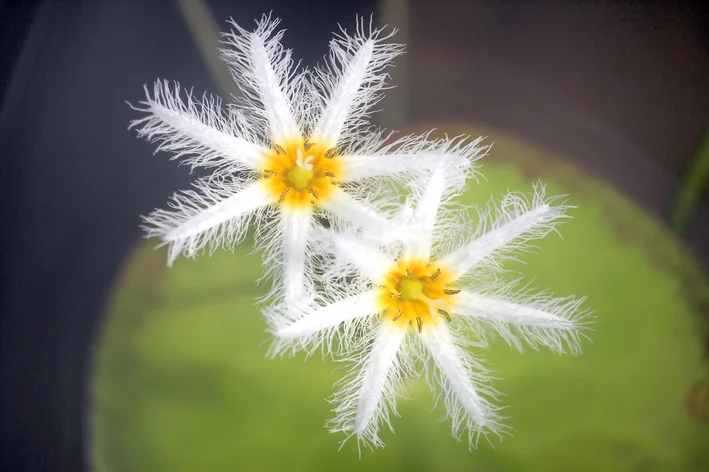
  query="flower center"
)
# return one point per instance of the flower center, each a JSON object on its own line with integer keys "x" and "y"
{"x": 410, "y": 289}
{"x": 301, "y": 174}
{"x": 416, "y": 293}
{"x": 299, "y": 177}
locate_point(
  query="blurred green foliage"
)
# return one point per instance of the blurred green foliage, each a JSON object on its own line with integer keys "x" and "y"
{"x": 181, "y": 382}
{"x": 695, "y": 183}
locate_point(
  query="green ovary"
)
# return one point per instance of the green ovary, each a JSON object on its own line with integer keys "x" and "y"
{"x": 299, "y": 177}
{"x": 410, "y": 289}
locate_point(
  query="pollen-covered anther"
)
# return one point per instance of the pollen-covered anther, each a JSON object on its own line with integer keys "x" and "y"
{"x": 332, "y": 152}
{"x": 449, "y": 291}
{"x": 445, "y": 313}
{"x": 419, "y": 324}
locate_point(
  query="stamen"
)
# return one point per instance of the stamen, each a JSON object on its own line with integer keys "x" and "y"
{"x": 314, "y": 194}
{"x": 445, "y": 313}
{"x": 283, "y": 195}
{"x": 329, "y": 174}
{"x": 304, "y": 162}
{"x": 435, "y": 276}
{"x": 307, "y": 146}
{"x": 398, "y": 315}
{"x": 449, "y": 291}
{"x": 419, "y": 323}
{"x": 395, "y": 295}
{"x": 332, "y": 152}
{"x": 279, "y": 149}
{"x": 409, "y": 274}
{"x": 270, "y": 172}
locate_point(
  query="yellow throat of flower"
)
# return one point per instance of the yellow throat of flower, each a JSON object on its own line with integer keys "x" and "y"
{"x": 416, "y": 293}
{"x": 300, "y": 174}
{"x": 410, "y": 289}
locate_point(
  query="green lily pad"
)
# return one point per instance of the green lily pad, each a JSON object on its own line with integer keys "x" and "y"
{"x": 181, "y": 382}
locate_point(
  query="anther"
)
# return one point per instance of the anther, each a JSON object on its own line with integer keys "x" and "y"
{"x": 279, "y": 149}
{"x": 435, "y": 276}
{"x": 409, "y": 274}
{"x": 398, "y": 315}
{"x": 314, "y": 194}
{"x": 445, "y": 313}
{"x": 283, "y": 195}
{"x": 419, "y": 323}
{"x": 394, "y": 295}
{"x": 270, "y": 172}
{"x": 332, "y": 152}
{"x": 307, "y": 146}
{"x": 329, "y": 174}
{"x": 450, "y": 292}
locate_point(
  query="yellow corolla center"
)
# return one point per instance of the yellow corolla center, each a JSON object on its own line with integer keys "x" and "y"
{"x": 299, "y": 177}
{"x": 410, "y": 289}
{"x": 416, "y": 293}
{"x": 299, "y": 173}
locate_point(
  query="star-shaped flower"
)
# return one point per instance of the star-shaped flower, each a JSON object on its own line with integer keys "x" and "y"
{"x": 297, "y": 146}
{"x": 427, "y": 302}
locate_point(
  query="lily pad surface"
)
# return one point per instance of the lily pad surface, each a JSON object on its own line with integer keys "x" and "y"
{"x": 181, "y": 382}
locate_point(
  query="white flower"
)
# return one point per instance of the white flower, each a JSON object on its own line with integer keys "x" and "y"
{"x": 295, "y": 148}
{"x": 426, "y": 303}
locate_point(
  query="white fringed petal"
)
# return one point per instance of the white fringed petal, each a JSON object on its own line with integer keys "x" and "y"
{"x": 420, "y": 232}
{"x": 212, "y": 215}
{"x": 330, "y": 316}
{"x": 516, "y": 222}
{"x": 351, "y": 80}
{"x": 539, "y": 320}
{"x": 366, "y": 398}
{"x": 264, "y": 70}
{"x": 296, "y": 228}
{"x": 412, "y": 156}
{"x": 456, "y": 371}
{"x": 197, "y": 132}
{"x": 357, "y": 213}
{"x": 331, "y": 123}
{"x": 367, "y": 260}
{"x": 359, "y": 167}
